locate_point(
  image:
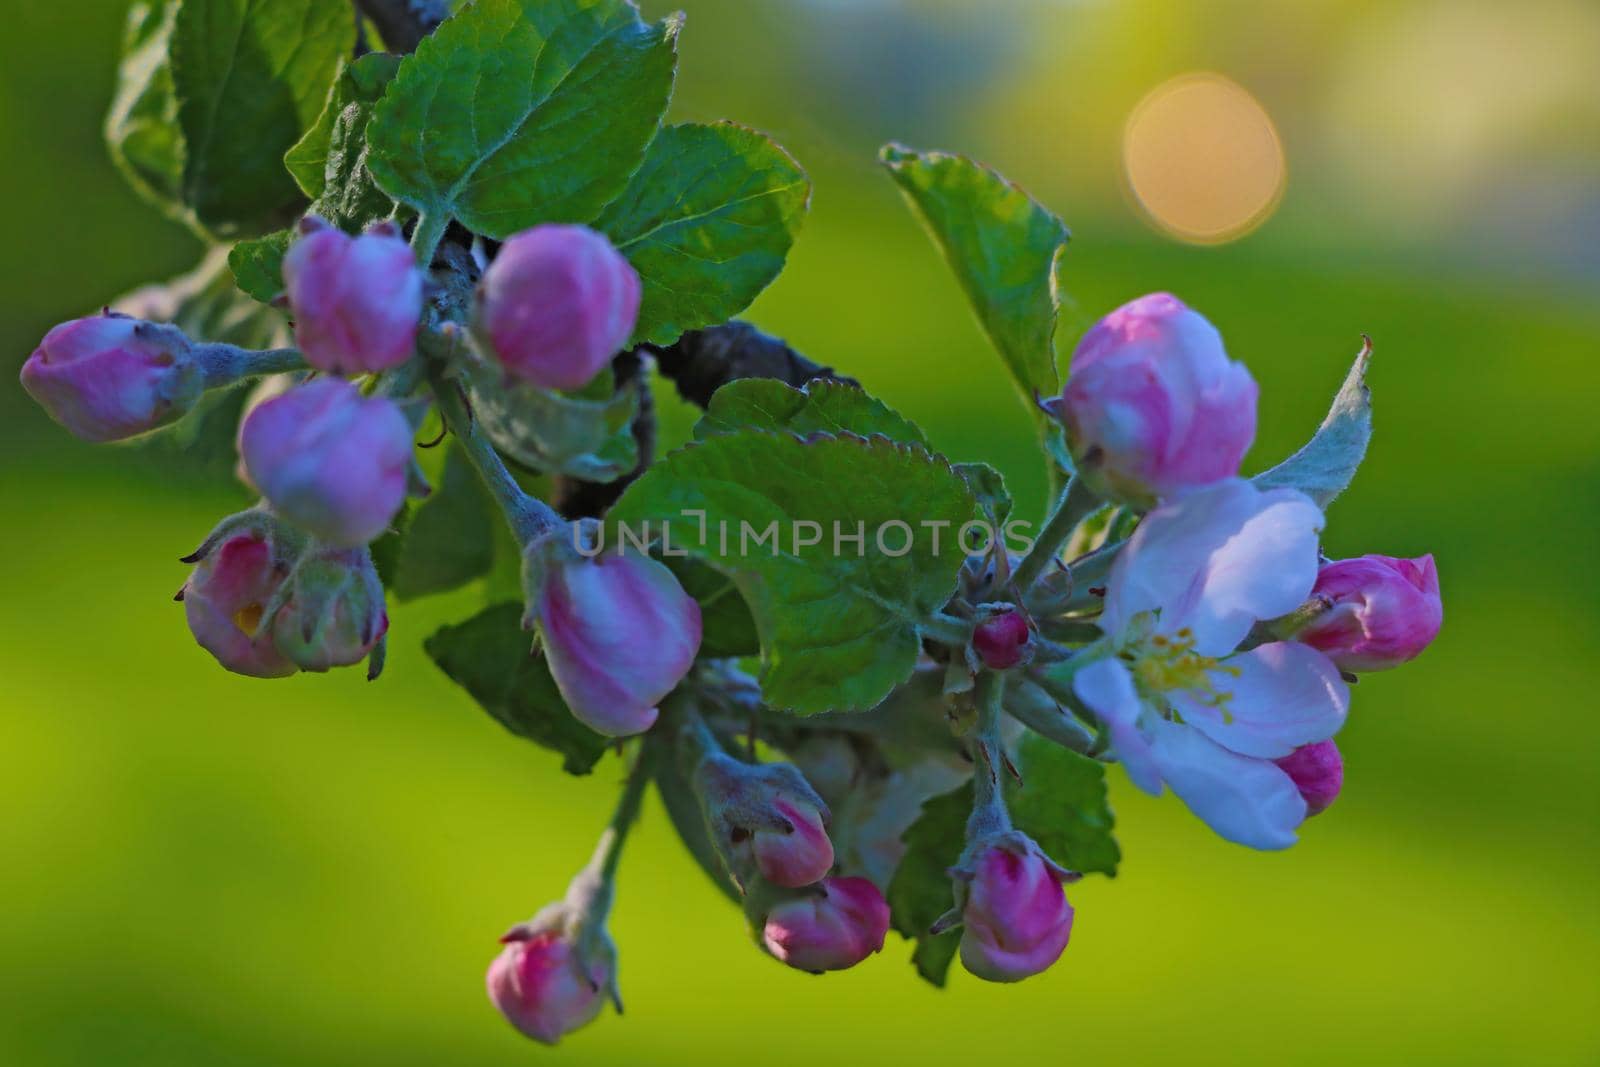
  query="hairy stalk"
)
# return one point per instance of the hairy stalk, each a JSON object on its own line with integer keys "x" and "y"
{"x": 608, "y": 852}
{"x": 527, "y": 515}
{"x": 223, "y": 364}
{"x": 1076, "y": 502}
{"x": 426, "y": 237}
{"x": 988, "y": 807}
{"x": 947, "y": 629}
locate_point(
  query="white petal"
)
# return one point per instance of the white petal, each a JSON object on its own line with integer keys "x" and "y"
{"x": 1107, "y": 687}
{"x": 1217, "y": 560}
{"x": 1277, "y": 698}
{"x": 1247, "y": 801}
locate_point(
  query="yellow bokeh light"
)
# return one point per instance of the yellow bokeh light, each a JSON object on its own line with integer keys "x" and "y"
{"x": 1203, "y": 159}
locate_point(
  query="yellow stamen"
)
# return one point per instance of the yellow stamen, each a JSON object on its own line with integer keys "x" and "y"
{"x": 248, "y": 618}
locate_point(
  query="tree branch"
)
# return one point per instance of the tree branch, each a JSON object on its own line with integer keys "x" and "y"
{"x": 699, "y": 363}
{"x": 702, "y": 361}
{"x": 404, "y": 23}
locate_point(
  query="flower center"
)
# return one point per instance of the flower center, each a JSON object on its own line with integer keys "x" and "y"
{"x": 248, "y": 618}
{"x": 1168, "y": 663}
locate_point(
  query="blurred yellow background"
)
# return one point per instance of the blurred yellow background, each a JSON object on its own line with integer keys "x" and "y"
{"x": 199, "y": 868}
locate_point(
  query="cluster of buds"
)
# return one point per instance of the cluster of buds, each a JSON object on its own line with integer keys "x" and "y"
{"x": 289, "y": 585}
{"x": 1207, "y": 648}
{"x": 1226, "y": 642}
{"x": 769, "y": 827}
{"x": 268, "y": 601}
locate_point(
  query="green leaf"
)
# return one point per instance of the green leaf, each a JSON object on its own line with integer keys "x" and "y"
{"x": 449, "y": 540}
{"x": 989, "y": 486}
{"x": 587, "y": 435}
{"x": 920, "y": 891}
{"x": 141, "y": 128}
{"x": 1003, "y": 246}
{"x": 330, "y": 161}
{"x": 838, "y": 629}
{"x": 489, "y": 656}
{"x": 707, "y": 222}
{"x": 727, "y": 630}
{"x": 1061, "y": 803}
{"x": 251, "y": 77}
{"x": 821, "y": 406}
{"x": 257, "y": 264}
{"x": 1324, "y": 467}
{"x": 517, "y": 112}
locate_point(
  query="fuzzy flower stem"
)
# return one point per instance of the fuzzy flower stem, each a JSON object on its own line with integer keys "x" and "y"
{"x": 222, "y": 364}
{"x": 698, "y": 741}
{"x": 426, "y": 237}
{"x": 947, "y": 629}
{"x": 608, "y": 852}
{"x": 1076, "y": 501}
{"x": 528, "y": 515}
{"x": 989, "y": 814}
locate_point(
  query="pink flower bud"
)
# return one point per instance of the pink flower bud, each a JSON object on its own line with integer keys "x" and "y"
{"x": 226, "y": 600}
{"x": 108, "y": 377}
{"x": 333, "y": 613}
{"x": 1154, "y": 405}
{"x": 539, "y": 986}
{"x": 1000, "y": 640}
{"x": 618, "y": 632}
{"x": 329, "y": 459}
{"x": 556, "y": 304}
{"x": 356, "y": 301}
{"x": 1385, "y": 611}
{"x": 1017, "y": 919}
{"x": 795, "y": 859}
{"x": 1318, "y": 772}
{"x": 831, "y": 928}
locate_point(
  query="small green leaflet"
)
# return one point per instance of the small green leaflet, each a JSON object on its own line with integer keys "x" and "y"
{"x": 1323, "y": 468}
{"x": 330, "y": 161}
{"x": 989, "y": 486}
{"x": 587, "y": 435}
{"x": 142, "y": 125}
{"x": 490, "y": 656}
{"x": 838, "y": 629}
{"x": 517, "y": 112}
{"x": 1060, "y": 803}
{"x": 257, "y": 264}
{"x": 1004, "y": 248}
{"x": 822, "y": 406}
{"x": 707, "y": 222}
{"x": 250, "y": 77}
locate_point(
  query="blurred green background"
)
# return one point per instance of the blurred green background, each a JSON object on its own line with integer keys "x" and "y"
{"x": 198, "y": 868}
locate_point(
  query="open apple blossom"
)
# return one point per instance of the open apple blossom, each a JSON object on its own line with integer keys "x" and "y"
{"x": 867, "y": 688}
